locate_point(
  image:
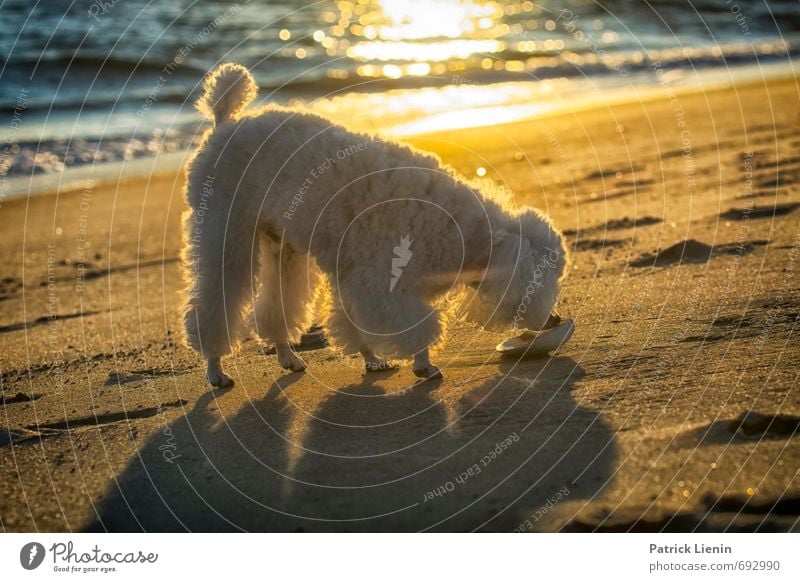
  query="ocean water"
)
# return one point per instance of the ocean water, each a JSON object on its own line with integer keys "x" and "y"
{"x": 93, "y": 81}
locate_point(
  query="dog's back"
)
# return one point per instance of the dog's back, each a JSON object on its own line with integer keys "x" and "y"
{"x": 296, "y": 171}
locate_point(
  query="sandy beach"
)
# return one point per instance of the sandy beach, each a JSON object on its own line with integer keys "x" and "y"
{"x": 675, "y": 406}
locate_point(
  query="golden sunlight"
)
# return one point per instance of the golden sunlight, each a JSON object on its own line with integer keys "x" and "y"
{"x": 414, "y": 51}
{"x": 420, "y": 19}
{"x": 416, "y": 31}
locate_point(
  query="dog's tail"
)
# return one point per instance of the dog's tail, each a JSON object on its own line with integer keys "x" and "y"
{"x": 227, "y": 90}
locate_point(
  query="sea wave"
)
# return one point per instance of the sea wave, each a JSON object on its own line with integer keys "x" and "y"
{"x": 112, "y": 82}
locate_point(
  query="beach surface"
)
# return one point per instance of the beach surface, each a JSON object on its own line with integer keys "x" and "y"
{"x": 675, "y": 406}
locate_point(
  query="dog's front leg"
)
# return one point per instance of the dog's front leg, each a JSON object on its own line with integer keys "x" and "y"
{"x": 373, "y": 363}
{"x": 216, "y": 377}
{"x": 288, "y": 359}
{"x": 423, "y": 367}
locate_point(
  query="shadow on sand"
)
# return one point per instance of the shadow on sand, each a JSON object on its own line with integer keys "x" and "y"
{"x": 479, "y": 455}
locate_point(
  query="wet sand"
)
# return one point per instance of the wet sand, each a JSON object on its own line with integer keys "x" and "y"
{"x": 674, "y": 407}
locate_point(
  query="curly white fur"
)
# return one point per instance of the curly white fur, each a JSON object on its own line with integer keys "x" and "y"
{"x": 278, "y": 195}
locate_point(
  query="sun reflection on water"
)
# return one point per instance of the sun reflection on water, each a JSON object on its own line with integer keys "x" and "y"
{"x": 469, "y": 51}
{"x": 430, "y": 51}
{"x": 412, "y": 36}
{"x": 423, "y": 19}
{"x": 395, "y": 39}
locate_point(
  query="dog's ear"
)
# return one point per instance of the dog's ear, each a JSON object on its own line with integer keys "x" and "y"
{"x": 537, "y": 227}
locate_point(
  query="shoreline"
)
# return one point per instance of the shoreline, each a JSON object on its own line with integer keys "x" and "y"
{"x": 674, "y": 407}
{"x": 508, "y": 112}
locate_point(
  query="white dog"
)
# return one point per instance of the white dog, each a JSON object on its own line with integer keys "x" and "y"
{"x": 278, "y": 197}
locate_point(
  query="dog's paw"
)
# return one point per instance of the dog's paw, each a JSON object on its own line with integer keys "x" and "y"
{"x": 219, "y": 379}
{"x": 291, "y": 361}
{"x": 379, "y": 365}
{"x": 429, "y": 372}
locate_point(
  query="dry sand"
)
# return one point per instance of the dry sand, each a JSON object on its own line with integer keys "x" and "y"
{"x": 637, "y": 424}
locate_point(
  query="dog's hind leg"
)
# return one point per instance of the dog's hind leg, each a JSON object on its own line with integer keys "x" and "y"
{"x": 283, "y": 309}
{"x": 219, "y": 269}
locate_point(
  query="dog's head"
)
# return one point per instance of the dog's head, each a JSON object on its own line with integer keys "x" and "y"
{"x": 520, "y": 287}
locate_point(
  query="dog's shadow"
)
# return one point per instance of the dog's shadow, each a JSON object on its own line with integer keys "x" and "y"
{"x": 372, "y": 456}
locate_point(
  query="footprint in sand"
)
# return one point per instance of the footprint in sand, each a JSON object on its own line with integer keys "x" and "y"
{"x": 757, "y": 212}
{"x": 693, "y": 252}
{"x": 616, "y": 224}
{"x": 753, "y": 424}
{"x": 44, "y": 319}
{"x": 748, "y": 426}
{"x": 122, "y": 416}
{"x": 732, "y": 513}
{"x": 724, "y": 328}
{"x": 748, "y": 504}
{"x": 20, "y": 397}
{"x": 9, "y": 287}
{"x": 120, "y": 378}
{"x": 593, "y": 244}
